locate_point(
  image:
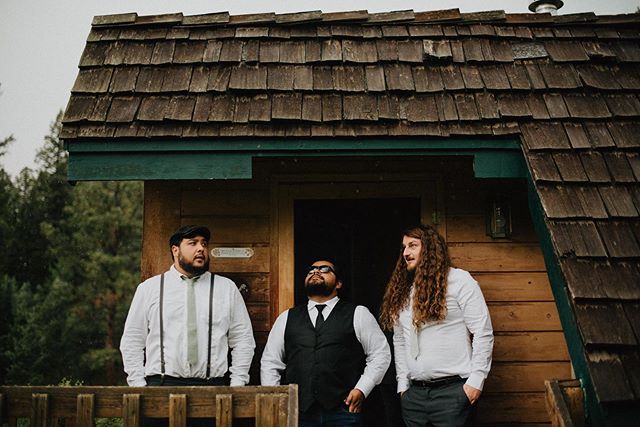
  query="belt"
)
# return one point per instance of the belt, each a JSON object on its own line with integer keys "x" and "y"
{"x": 439, "y": 382}
{"x": 168, "y": 380}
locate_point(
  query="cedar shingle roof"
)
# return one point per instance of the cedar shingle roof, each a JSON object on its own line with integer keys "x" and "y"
{"x": 568, "y": 85}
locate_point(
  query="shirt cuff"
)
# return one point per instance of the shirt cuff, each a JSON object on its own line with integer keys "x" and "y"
{"x": 403, "y": 386}
{"x": 137, "y": 382}
{"x": 476, "y": 380}
{"x": 236, "y": 383}
{"x": 365, "y": 385}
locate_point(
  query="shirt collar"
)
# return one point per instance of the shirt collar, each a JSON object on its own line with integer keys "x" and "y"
{"x": 331, "y": 303}
{"x": 181, "y": 276}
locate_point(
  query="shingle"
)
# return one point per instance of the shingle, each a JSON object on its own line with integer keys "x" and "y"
{"x": 598, "y": 51}
{"x": 504, "y": 31}
{"x": 150, "y": 79}
{"x": 555, "y": 105}
{"x": 331, "y": 50}
{"x": 249, "y": 77}
{"x": 634, "y": 162}
{"x": 286, "y": 106}
{"x": 152, "y": 108}
{"x": 466, "y": 106}
{"x": 331, "y": 108}
{"x": 251, "y": 51}
{"x": 124, "y": 79}
{"x": 565, "y": 51}
{"x": 387, "y": 50}
{"x": 604, "y": 324}
{"x": 428, "y": 79}
{"x": 389, "y": 107}
{"x": 558, "y": 205}
{"x": 625, "y": 135}
{"x": 608, "y": 375}
{"x": 577, "y": 135}
{"x": 349, "y": 78}
{"x": 260, "y": 108}
{"x": 626, "y": 51}
{"x": 597, "y": 76}
{"x": 512, "y": 105}
{"x": 346, "y": 31}
{"x": 577, "y": 238}
{"x": 528, "y": 50}
{"x": 374, "y": 75}
{"x": 322, "y": 78}
{"x": 517, "y": 76}
{"x": 570, "y": 167}
{"x": 303, "y": 77}
{"x": 312, "y": 108}
{"x": 618, "y": 201}
{"x": 410, "y": 51}
{"x": 437, "y": 50}
{"x": 359, "y": 51}
{"x": 176, "y": 79}
{"x": 269, "y": 51}
{"x": 123, "y": 109}
{"x": 494, "y": 77}
{"x": 398, "y": 77}
{"x": 619, "y": 280}
{"x": 389, "y": 31}
{"x": 487, "y": 105}
{"x": 617, "y": 237}
{"x": 425, "y": 30}
{"x": 446, "y": 107}
{"x": 451, "y": 77}
{"x": 187, "y": 52}
{"x": 631, "y": 364}
{"x": 589, "y": 201}
{"x": 115, "y": 53}
{"x": 221, "y": 108}
{"x": 632, "y": 311}
{"x": 586, "y": 106}
{"x": 627, "y": 75}
{"x": 623, "y": 105}
{"x": 535, "y": 76}
{"x": 501, "y": 50}
{"x": 95, "y": 80}
{"x": 598, "y": 135}
{"x": 292, "y": 52}
{"x": 360, "y": 107}
{"x": 279, "y": 77}
{"x": 543, "y": 168}
{"x": 241, "y": 109}
{"x": 312, "y": 51}
{"x": 472, "y": 50}
{"x": 93, "y": 54}
{"x": 99, "y": 113}
{"x": 79, "y": 108}
{"x": 582, "y": 278}
{"x": 180, "y": 108}
{"x": 202, "y": 108}
{"x": 559, "y": 76}
{"x": 457, "y": 51}
{"x": 619, "y": 167}
{"x": 231, "y": 51}
{"x": 212, "y": 51}
{"x": 544, "y": 135}
{"x": 422, "y": 108}
{"x": 595, "y": 166}
{"x": 199, "y": 79}
{"x": 471, "y": 77}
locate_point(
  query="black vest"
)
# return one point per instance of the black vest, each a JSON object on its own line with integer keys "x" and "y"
{"x": 325, "y": 365}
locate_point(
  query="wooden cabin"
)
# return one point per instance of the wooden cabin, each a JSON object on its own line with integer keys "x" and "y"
{"x": 297, "y": 134}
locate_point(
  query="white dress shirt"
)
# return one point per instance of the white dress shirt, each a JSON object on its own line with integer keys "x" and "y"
{"x": 231, "y": 328}
{"x": 368, "y": 333}
{"x": 446, "y": 348}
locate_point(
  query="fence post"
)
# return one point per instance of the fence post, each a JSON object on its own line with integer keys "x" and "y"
{"x": 177, "y": 410}
{"x": 84, "y": 410}
{"x": 224, "y": 410}
{"x": 131, "y": 410}
{"x": 39, "y": 410}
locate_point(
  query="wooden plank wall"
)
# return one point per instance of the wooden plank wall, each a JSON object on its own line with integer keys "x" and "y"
{"x": 529, "y": 342}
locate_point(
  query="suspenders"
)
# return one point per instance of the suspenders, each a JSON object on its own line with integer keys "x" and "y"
{"x": 162, "y": 364}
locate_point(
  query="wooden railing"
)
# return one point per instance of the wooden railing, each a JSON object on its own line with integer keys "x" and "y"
{"x": 80, "y": 406}
{"x": 564, "y": 401}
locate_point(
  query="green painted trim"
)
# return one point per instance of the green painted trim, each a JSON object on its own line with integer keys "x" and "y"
{"x": 593, "y": 410}
{"x": 232, "y": 159}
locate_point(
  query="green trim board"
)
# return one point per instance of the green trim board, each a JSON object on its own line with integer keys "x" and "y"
{"x": 232, "y": 159}
{"x": 593, "y": 410}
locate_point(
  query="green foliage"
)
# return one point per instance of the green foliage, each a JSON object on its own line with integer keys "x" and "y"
{"x": 68, "y": 269}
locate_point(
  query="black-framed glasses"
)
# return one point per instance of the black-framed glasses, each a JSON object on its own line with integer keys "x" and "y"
{"x": 320, "y": 268}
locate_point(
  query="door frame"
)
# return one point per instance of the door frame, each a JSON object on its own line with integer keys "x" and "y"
{"x": 286, "y": 189}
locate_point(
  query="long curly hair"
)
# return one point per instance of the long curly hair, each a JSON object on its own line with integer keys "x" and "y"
{"x": 429, "y": 279}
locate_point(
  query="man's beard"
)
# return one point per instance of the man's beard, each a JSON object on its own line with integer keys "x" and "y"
{"x": 318, "y": 289}
{"x": 191, "y": 269}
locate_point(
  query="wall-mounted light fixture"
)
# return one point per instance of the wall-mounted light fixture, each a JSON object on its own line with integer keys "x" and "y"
{"x": 498, "y": 218}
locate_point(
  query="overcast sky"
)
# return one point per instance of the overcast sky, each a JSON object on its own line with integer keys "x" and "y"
{"x": 41, "y": 42}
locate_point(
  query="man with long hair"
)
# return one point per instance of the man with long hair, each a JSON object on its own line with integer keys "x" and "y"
{"x": 334, "y": 350}
{"x": 442, "y": 333}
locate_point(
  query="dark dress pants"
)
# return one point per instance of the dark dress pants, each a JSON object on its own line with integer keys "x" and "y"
{"x": 439, "y": 406}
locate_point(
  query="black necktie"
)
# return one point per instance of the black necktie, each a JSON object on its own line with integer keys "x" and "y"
{"x": 320, "y": 318}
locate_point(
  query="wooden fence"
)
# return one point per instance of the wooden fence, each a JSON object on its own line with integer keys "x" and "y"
{"x": 80, "y": 406}
{"x": 564, "y": 401}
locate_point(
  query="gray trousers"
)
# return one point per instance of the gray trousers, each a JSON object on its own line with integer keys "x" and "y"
{"x": 443, "y": 406}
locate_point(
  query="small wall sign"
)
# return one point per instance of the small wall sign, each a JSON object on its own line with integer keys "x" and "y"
{"x": 232, "y": 252}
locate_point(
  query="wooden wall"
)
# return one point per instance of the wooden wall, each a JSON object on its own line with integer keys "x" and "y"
{"x": 529, "y": 343}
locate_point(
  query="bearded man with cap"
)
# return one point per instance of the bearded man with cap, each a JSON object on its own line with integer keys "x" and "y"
{"x": 182, "y": 323}
{"x": 334, "y": 350}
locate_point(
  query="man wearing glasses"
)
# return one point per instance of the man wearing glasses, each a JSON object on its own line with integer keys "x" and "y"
{"x": 333, "y": 349}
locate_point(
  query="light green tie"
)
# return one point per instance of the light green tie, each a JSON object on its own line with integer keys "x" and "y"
{"x": 192, "y": 329}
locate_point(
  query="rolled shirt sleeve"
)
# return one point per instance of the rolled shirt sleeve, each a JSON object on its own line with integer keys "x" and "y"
{"x": 376, "y": 349}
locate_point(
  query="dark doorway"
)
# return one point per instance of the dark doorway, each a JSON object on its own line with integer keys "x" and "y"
{"x": 363, "y": 237}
